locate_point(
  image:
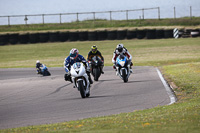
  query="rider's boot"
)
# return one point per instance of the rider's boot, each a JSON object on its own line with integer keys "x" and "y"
{"x": 116, "y": 69}
{"x": 89, "y": 77}
{"x": 131, "y": 71}
{"x": 102, "y": 70}
{"x": 117, "y": 73}
{"x": 38, "y": 71}
{"x": 91, "y": 82}
{"x": 130, "y": 68}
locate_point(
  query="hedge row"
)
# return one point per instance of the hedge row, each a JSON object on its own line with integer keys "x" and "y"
{"x": 62, "y": 36}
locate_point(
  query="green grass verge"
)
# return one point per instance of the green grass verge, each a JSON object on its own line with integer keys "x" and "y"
{"x": 145, "y": 52}
{"x": 179, "y": 60}
{"x": 187, "y": 77}
{"x": 90, "y": 24}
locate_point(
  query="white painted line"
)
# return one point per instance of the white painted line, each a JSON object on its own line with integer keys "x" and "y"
{"x": 168, "y": 89}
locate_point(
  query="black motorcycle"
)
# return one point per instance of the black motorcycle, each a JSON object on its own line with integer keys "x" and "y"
{"x": 95, "y": 67}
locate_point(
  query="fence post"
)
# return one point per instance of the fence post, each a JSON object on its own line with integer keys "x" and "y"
{"x": 60, "y": 19}
{"x": 190, "y": 12}
{"x": 77, "y": 17}
{"x": 94, "y": 16}
{"x": 94, "y": 13}
{"x": 127, "y": 15}
{"x": 110, "y": 15}
{"x": 174, "y": 12}
{"x": 26, "y": 19}
{"x": 8, "y": 20}
{"x": 43, "y": 18}
{"x": 143, "y": 13}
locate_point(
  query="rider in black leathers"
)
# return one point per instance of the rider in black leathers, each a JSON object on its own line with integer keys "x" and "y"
{"x": 95, "y": 52}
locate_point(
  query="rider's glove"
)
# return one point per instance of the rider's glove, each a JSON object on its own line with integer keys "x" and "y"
{"x": 67, "y": 77}
{"x": 67, "y": 70}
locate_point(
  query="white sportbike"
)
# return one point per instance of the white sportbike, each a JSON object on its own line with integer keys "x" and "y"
{"x": 80, "y": 79}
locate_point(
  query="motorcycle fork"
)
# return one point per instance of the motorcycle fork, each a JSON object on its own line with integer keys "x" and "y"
{"x": 85, "y": 81}
{"x": 119, "y": 71}
{"x": 76, "y": 80}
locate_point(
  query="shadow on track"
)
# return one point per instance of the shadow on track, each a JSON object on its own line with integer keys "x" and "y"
{"x": 91, "y": 97}
{"x": 136, "y": 81}
{"x": 58, "y": 89}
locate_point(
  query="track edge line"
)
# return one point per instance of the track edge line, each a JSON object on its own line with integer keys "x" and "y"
{"x": 169, "y": 90}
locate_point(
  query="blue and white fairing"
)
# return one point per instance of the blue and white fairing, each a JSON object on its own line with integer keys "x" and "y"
{"x": 122, "y": 63}
{"x": 121, "y": 60}
{"x": 43, "y": 68}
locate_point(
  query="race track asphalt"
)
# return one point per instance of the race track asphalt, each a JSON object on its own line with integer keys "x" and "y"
{"x": 30, "y": 99}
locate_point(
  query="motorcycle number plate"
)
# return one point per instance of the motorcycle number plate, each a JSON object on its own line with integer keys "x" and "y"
{"x": 122, "y": 63}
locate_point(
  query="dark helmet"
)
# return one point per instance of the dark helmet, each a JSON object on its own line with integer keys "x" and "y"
{"x": 94, "y": 49}
{"x": 120, "y": 47}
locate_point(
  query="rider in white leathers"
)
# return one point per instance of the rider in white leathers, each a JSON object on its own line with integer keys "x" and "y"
{"x": 120, "y": 49}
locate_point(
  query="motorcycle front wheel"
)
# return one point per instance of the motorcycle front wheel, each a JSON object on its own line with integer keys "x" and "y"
{"x": 96, "y": 73}
{"x": 81, "y": 87}
{"x": 124, "y": 76}
{"x": 46, "y": 73}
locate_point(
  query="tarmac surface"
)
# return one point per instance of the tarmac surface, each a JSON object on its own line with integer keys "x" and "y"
{"x": 30, "y": 99}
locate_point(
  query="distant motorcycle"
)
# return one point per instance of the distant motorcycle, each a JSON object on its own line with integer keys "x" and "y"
{"x": 96, "y": 64}
{"x": 80, "y": 79}
{"x": 123, "y": 67}
{"x": 43, "y": 70}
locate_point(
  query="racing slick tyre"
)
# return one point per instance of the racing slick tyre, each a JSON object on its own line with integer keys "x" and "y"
{"x": 96, "y": 72}
{"x": 81, "y": 87}
{"x": 125, "y": 79}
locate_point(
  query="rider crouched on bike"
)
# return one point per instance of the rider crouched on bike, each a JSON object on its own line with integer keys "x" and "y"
{"x": 73, "y": 57}
{"x": 95, "y": 52}
{"x": 120, "y": 49}
{"x": 38, "y": 65}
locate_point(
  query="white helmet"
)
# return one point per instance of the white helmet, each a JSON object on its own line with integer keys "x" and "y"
{"x": 73, "y": 53}
{"x": 37, "y": 61}
{"x": 120, "y": 47}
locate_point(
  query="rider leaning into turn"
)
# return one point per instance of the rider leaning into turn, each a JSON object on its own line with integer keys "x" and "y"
{"x": 38, "y": 65}
{"x": 73, "y": 57}
{"x": 120, "y": 49}
{"x": 95, "y": 52}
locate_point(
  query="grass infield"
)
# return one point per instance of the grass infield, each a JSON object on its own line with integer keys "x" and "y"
{"x": 157, "y": 52}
